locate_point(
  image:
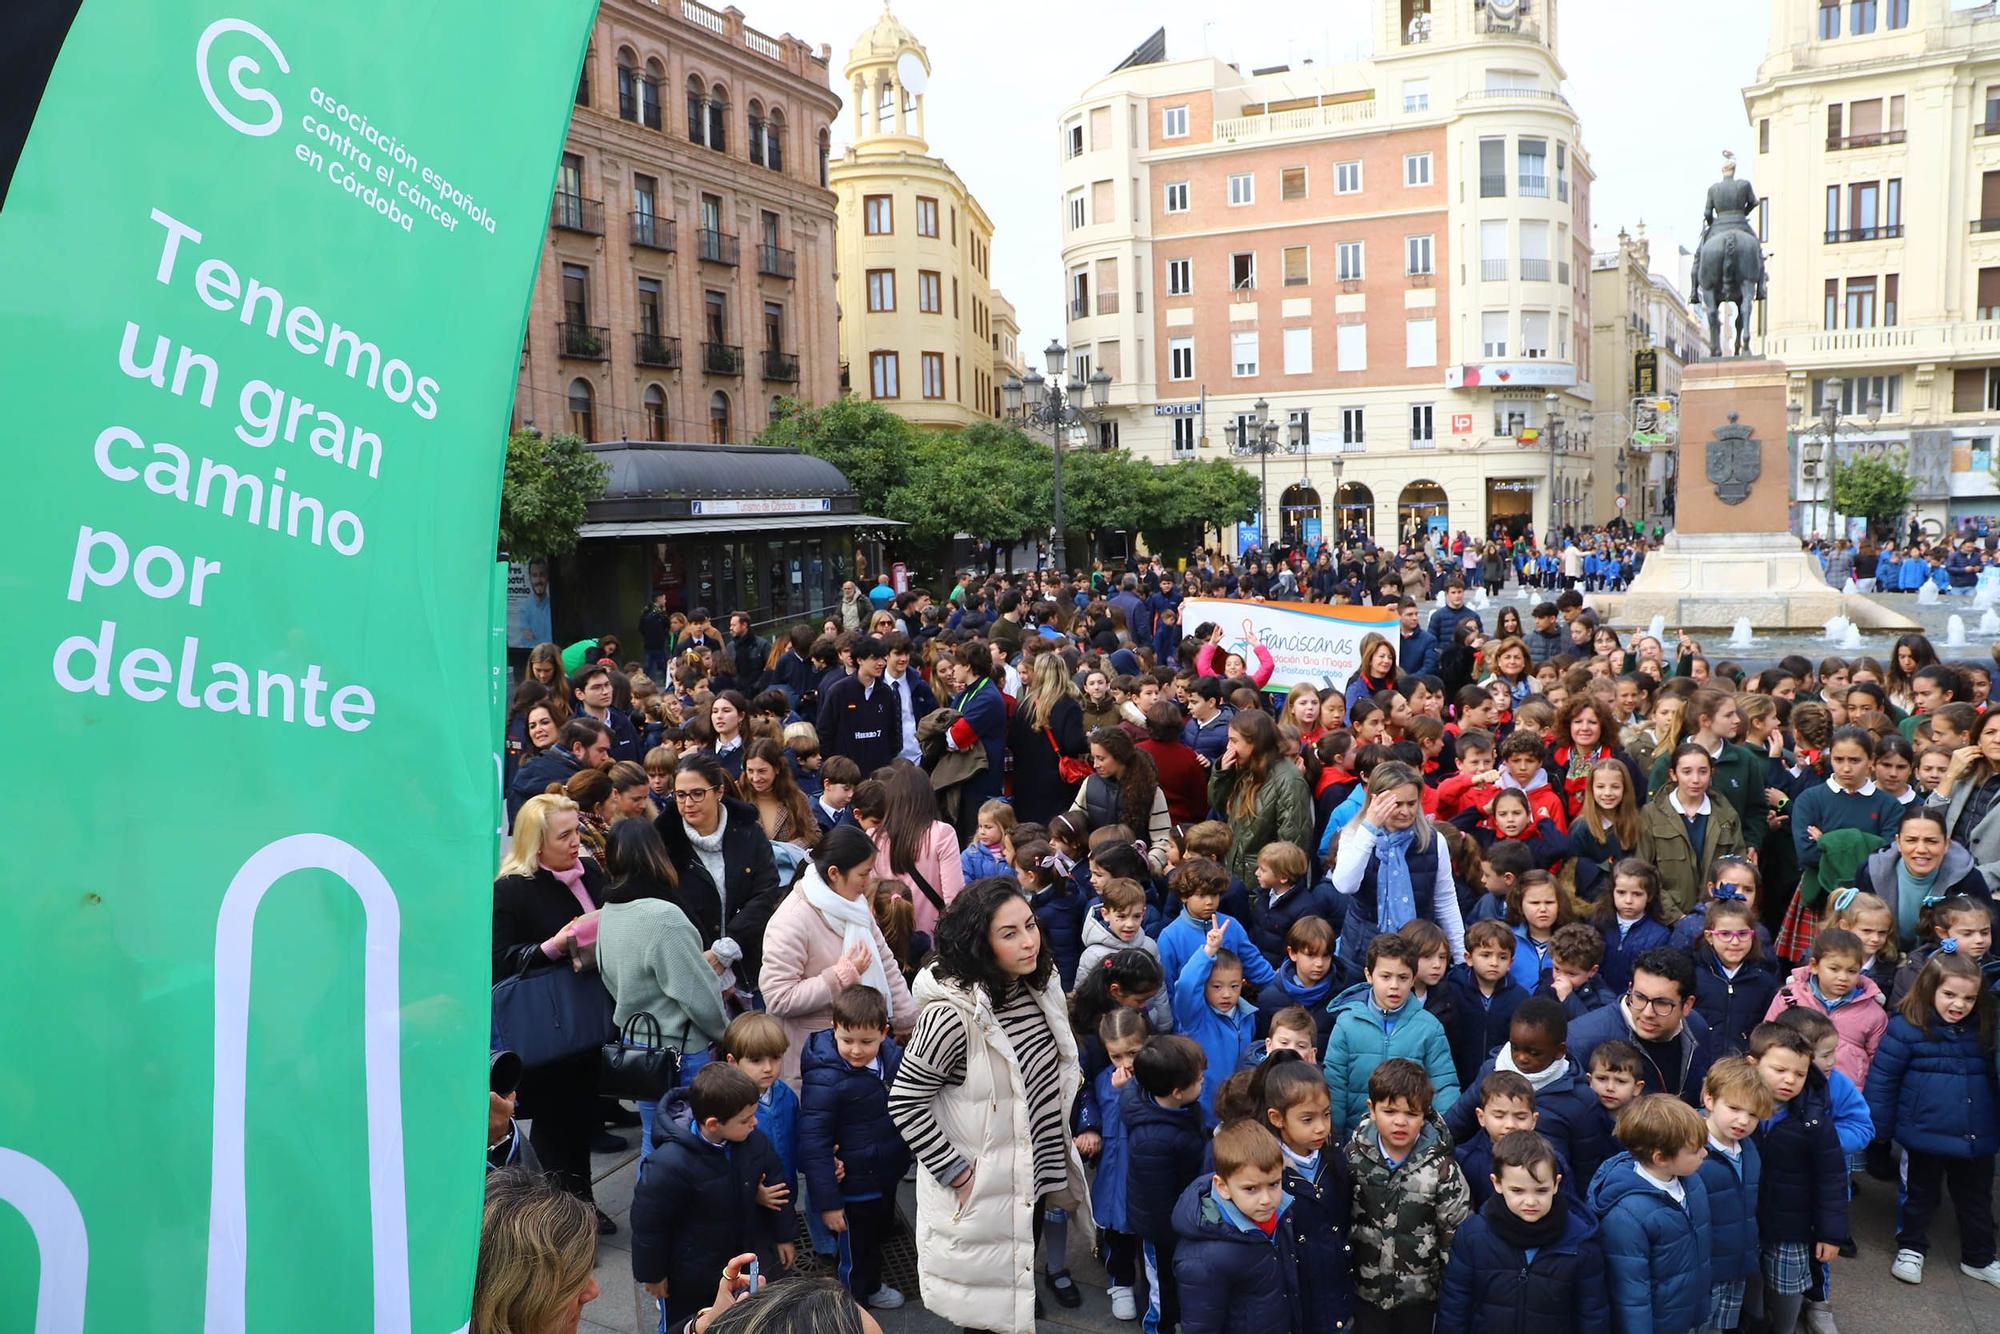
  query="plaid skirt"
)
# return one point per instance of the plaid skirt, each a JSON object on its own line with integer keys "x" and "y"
{"x": 1725, "y": 1304}
{"x": 1788, "y": 1267}
{"x": 1796, "y": 932}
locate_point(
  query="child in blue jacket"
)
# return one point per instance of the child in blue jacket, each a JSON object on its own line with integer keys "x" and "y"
{"x": 1235, "y": 1258}
{"x": 1166, "y": 1134}
{"x": 1311, "y": 976}
{"x": 1199, "y": 883}
{"x": 1931, "y": 1088}
{"x": 845, "y": 1073}
{"x": 1209, "y": 1007}
{"x": 1529, "y": 1261}
{"x": 1736, "y": 1101}
{"x": 1802, "y": 1196}
{"x": 1567, "y": 1111}
{"x": 1629, "y": 920}
{"x": 1291, "y": 1098}
{"x": 1652, "y": 1212}
{"x": 1378, "y": 1020}
{"x": 1101, "y": 1133}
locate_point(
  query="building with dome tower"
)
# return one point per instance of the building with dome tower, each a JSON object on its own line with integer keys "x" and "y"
{"x": 914, "y": 248}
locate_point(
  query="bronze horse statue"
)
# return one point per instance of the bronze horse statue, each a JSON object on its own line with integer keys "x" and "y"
{"x": 1729, "y": 265}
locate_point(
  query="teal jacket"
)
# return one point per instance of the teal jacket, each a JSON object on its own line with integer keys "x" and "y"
{"x": 1362, "y": 1037}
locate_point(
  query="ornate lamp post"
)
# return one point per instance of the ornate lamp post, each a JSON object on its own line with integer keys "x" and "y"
{"x": 1050, "y": 407}
{"x": 1260, "y": 437}
{"x": 1819, "y": 443}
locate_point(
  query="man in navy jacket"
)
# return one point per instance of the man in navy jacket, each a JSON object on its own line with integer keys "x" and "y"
{"x": 1417, "y": 650}
{"x": 1656, "y": 1015}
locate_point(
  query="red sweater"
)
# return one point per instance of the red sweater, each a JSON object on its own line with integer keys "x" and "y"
{"x": 1182, "y": 777}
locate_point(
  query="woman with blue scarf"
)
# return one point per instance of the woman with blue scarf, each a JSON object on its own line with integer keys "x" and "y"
{"x": 1393, "y": 867}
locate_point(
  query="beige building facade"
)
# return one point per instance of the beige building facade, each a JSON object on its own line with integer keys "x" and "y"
{"x": 1007, "y": 363}
{"x": 687, "y": 282}
{"x": 1393, "y": 254}
{"x": 1876, "y": 125}
{"x": 916, "y": 249}
{"x": 1642, "y": 335}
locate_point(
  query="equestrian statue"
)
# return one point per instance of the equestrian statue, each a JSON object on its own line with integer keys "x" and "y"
{"x": 1729, "y": 263}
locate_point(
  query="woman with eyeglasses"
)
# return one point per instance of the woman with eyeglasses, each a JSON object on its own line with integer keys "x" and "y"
{"x": 727, "y": 872}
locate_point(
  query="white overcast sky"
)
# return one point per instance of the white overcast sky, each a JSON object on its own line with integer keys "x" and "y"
{"x": 1660, "y": 97}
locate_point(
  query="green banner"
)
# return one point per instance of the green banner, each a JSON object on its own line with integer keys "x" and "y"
{"x": 267, "y": 271}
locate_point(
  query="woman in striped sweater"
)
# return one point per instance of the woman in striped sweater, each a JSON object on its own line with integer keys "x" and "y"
{"x": 982, "y": 1100}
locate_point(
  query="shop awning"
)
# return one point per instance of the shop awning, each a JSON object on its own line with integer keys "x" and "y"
{"x": 776, "y": 525}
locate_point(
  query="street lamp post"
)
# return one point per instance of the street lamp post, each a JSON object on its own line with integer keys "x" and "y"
{"x": 1820, "y": 442}
{"x": 1048, "y": 406}
{"x": 1260, "y": 437}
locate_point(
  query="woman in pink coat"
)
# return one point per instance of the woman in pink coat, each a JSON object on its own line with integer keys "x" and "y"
{"x": 912, "y": 844}
{"x": 1212, "y": 659}
{"x": 823, "y": 939}
{"x": 1834, "y": 985}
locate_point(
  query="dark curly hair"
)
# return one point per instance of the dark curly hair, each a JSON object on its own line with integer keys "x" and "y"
{"x": 965, "y": 954}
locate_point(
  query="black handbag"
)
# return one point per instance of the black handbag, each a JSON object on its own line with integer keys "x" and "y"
{"x": 637, "y": 1064}
{"x": 545, "y": 1015}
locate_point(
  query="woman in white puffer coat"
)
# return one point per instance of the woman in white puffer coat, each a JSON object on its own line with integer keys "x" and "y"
{"x": 983, "y": 1101}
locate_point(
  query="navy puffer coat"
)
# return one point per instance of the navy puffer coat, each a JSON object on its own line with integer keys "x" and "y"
{"x": 1164, "y": 1147}
{"x": 1935, "y": 1094}
{"x": 1233, "y": 1280}
{"x": 844, "y": 1113}
{"x": 1655, "y": 1250}
{"x": 1732, "y": 1213}
{"x": 1732, "y": 1006}
{"x": 1318, "y": 1218}
{"x": 1491, "y": 1287}
{"x": 1804, "y": 1193}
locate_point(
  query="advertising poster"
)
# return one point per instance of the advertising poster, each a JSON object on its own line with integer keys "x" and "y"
{"x": 1310, "y": 642}
{"x": 530, "y": 619}
{"x": 268, "y": 265}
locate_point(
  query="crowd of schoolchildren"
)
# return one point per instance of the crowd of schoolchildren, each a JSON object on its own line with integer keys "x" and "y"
{"x": 1581, "y": 992}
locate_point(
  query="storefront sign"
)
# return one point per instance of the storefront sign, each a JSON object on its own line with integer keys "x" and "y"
{"x": 1646, "y": 372}
{"x": 1309, "y": 642}
{"x": 1510, "y": 374}
{"x": 268, "y": 271}
{"x": 772, "y": 505}
{"x": 1461, "y": 423}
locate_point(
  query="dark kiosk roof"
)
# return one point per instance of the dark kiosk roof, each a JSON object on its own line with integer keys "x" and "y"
{"x": 657, "y": 470}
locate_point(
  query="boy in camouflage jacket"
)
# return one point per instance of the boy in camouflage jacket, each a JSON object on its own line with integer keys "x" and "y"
{"x": 1409, "y": 1198}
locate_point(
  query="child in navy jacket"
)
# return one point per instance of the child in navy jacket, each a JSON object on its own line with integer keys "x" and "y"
{"x": 1629, "y": 920}
{"x": 845, "y": 1072}
{"x": 1733, "y": 982}
{"x": 1291, "y": 1097}
{"x": 1736, "y": 1100}
{"x": 1282, "y": 897}
{"x": 1311, "y": 976}
{"x": 1568, "y": 1113}
{"x": 1529, "y": 1261}
{"x": 1802, "y": 1194}
{"x": 1165, "y": 1137}
{"x": 1576, "y": 954}
{"x": 1235, "y": 1259}
{"x": 1484, "y": 996}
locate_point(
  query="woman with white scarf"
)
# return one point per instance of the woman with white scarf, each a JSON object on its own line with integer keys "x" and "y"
{"x": 823, "y": 939}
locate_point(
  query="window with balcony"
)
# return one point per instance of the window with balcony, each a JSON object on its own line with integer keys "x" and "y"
{"x": 1298, "y": 266}
{"x": 1177, "y": 197}
{"x": 1079, "y": 293}
{"x": 1180, "y": 277}
{"x": 1180, "y": 358}
{"x": 1493, "y": 333}
{"x": 883, "y": 376}
{"x": 1535, "y": 333}
{"x": 1562, "y": 173}
{"x": 1347, "y": 264}
{"x": 1423, "y": 426}
{"x": 930, "y": 293}
{"x": 1861, "y": 302}
{"x": 881, "y": 289}
{"x": 1353, "y": 429}
{"x": 1416, "y": 96}
{"x": 1350, "y": 347}
{"x": 878, "y": 215}
{"x": 1830, "y": 309}
{"x": 1292, "y": 183}
{"x": 933, "y": 372}
{"x": 1989, "y": 293}
{"x": 1535, "y": 267}
{"x": 1492, "y": 168}
{"x": 927, "y": 217}
{"x": 1493, "y": 251}
{"x": 1416, "y": 169}
{"x": 1243, "y": 271}
{"x": 1173, "y": 122}
{"x": 1420, "y": 342}
{"x": 1242, "y": 189}
{"x": 1418, "y": 255}
{"x": 648, "y": 228}
{"x": 1107, "y": 286}
{"x": 1532, "y": 158}
{"x": 1347, "y": 178}
{"x": 1243, "y": 354}
{"x": 1857, "y": 390}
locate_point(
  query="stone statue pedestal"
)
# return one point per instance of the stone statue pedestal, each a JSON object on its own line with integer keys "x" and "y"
{"x": 1731, "y": 553}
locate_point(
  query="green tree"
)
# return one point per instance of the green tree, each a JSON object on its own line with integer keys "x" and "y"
{"x": 1189, "y": 497}
{"x": 1875, "y": 489}
{"x": 1104, "y": 490}
{"x": 548, "y": 483}
{"x": 870, "y": 445}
